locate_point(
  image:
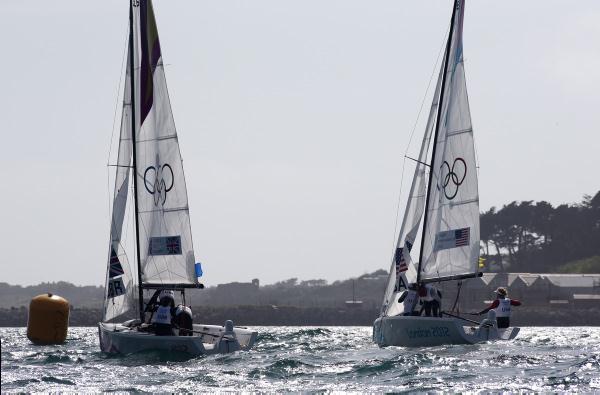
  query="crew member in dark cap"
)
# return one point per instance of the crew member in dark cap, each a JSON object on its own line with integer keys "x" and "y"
{"x": 502, "y": 306}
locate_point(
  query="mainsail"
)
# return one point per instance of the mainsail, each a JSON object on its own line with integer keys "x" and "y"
{"x": 163, "y": 234}
{"x": 451, "y": 232}
{"x": 450, "y": 245}
{"x": 165, "y": 238}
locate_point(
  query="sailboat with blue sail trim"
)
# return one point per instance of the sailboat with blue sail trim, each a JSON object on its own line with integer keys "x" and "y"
{"x": 149, "y": 161}
{"x": 443, "y": 208}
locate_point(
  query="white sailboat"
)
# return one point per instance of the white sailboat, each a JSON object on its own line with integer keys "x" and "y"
{"x": 164, "y": 254}
{"x": 443, "y": 208}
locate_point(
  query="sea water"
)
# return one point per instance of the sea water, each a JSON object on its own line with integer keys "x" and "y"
{"x": 311, "y": 359}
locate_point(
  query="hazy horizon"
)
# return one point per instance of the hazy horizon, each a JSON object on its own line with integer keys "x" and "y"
{"x": 201, "y": 280}
{"x": 293, "y": 120}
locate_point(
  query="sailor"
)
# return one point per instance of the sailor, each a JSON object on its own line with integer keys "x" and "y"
{"x": 161, "y": 320}
{"x": 153, "y": 302}
{"x": 431, "y": 298}
{"x": 409, "y": 299}
{"x": 183, "y": 320}
{"x": 502, "y": 307}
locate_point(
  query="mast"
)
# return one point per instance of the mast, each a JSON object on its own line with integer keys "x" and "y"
{"x": 435, "y": 136}
{"x": 135, "y": 178}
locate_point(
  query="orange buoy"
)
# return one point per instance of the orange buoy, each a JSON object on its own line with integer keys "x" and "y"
{"x": 48, "y": 319}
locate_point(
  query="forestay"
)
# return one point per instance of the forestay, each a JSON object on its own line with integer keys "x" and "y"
{"x": 403, "y": 270}
{"x": 119, "y": 283}
{"x": 165, "y": 239}
{"x": 451, "y": 239}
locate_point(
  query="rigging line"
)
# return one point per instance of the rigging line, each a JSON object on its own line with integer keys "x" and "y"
{"x": 118, "y": 90}
{"x": 418, "y": 161}
{"x": 112, "y": 134}
{"x": 433, "y": 72}
{"x": 396, "y": 230}
{"x": 110, "y": 220}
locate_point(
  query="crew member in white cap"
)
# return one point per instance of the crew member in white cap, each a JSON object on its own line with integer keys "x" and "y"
{"x": 502, "y": 307}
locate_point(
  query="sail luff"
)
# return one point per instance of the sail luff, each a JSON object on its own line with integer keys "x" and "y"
{"x": 435, "y": 138}
{"x": 119, "y": 281}
{"x": 413, "y": 212}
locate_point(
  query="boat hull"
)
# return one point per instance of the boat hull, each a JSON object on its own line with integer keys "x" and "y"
{"x": 207, "y": 339}
{"x": 412, "y": 331}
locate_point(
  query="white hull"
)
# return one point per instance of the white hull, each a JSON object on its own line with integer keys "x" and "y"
{"x": 412, "y": 331}
{"x": 207, "y": 339}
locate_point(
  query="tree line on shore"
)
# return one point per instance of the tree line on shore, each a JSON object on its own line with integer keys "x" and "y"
{"x": 539, "y": 238}
{"x": 519, "y": 237}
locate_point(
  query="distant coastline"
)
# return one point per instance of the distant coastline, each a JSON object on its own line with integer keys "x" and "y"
{"x": 548, "y": 300}
{"x": 315, "y": 316}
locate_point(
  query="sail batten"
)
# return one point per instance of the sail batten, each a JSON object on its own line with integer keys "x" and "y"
{"x": 159, "y": 138}
{"x": 450, "y": 134}
{"x": 170, "y": 210}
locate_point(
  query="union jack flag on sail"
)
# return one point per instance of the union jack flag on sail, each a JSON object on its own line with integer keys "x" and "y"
{"x": 115, "y": 265}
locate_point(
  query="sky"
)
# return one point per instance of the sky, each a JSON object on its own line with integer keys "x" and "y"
{"x": 293, "y": 118}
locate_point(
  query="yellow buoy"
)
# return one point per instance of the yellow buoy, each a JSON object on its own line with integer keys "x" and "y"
{"x": 48, "y": 319}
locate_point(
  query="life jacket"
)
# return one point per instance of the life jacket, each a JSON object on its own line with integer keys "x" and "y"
{"x": 410, "y": 301}
{"x": 503, "y": 309}
{"x": 162, "y": 315}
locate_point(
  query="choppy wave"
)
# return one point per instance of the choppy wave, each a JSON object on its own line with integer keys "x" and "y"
{"x": 311, "y": 359}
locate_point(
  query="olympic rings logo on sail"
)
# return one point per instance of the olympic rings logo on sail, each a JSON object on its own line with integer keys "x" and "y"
{"x": 453, "y": 178}
{"x": 158, "y": 188}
